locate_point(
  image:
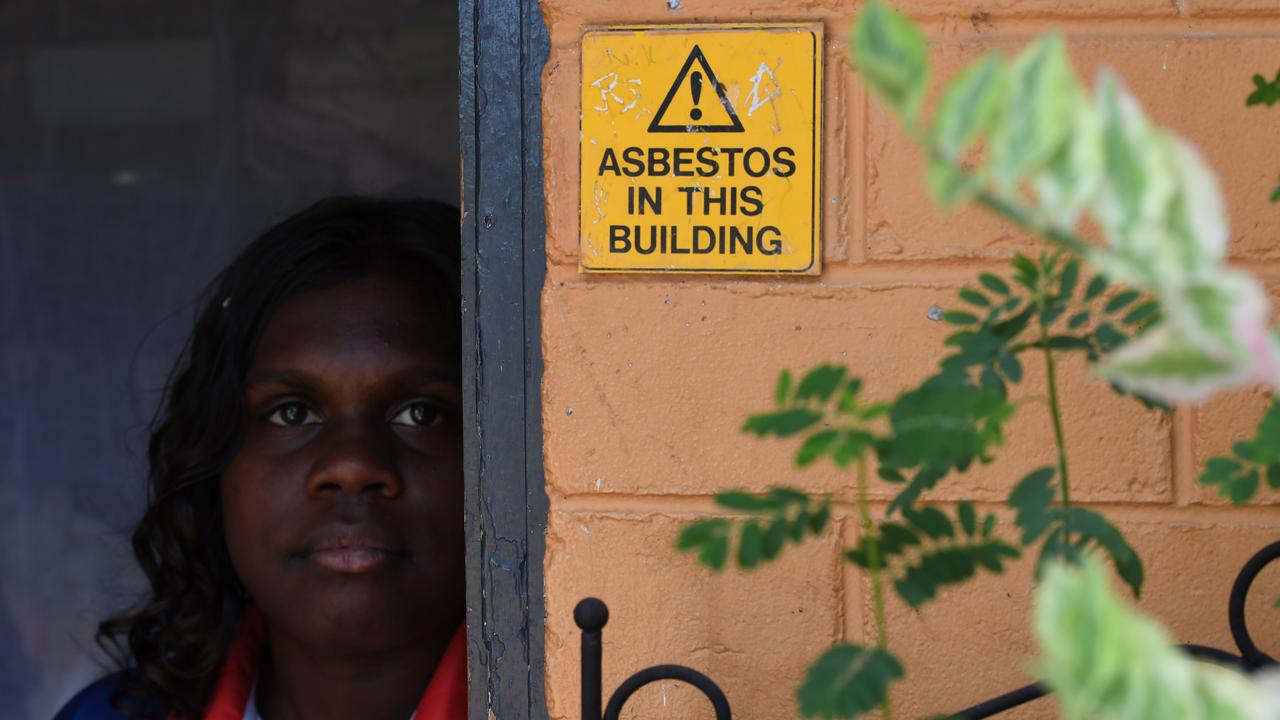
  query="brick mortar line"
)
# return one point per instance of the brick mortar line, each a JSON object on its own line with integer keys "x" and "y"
{"x": 1102, "y": 26}
{"x": 578, "y": 19}
{"x": 842, "y": 586}
{"x": 869, "y": 275}
{"x": 642, "y": 505}
{"x": 1183, "y": 461}
{"x": 1248, "y": 25}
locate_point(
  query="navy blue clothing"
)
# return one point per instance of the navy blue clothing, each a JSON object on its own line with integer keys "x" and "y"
{"x": 94, "y": 703}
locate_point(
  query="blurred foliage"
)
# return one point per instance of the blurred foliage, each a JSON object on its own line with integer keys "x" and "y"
{"x": 1106, "y": 661}
{"x": 1154, "y": 310}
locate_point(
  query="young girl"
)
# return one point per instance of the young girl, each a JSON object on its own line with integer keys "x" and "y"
{"x": 303, "y": 536}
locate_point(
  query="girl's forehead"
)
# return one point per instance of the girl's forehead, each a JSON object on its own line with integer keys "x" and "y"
{"x": 366, "y": 319}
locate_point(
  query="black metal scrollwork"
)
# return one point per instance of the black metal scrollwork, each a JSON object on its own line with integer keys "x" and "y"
{"x": 591, "y": 615}
{"x": 1249, "y": 659}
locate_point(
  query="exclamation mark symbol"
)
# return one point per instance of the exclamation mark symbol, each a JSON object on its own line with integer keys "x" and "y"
{"x": 695, "y": 84}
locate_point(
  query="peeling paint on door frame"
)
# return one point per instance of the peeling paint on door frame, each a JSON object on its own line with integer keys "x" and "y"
{"x": 503, "y": 45}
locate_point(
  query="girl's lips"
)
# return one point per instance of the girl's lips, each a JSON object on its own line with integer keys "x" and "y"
{"x": 351, "y": 559}
{"x": 352, "y": 548}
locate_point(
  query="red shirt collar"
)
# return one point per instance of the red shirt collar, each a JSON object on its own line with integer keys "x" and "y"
{"x": 445, "y": 698}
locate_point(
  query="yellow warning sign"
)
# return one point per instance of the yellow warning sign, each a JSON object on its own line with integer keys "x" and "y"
{"x": 701, "y": 149}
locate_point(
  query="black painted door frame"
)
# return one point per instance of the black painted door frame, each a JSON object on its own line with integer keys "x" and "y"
{"x": 503, "y": 45}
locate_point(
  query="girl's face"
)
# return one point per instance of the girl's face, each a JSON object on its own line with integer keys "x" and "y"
{"x": 343, "y": 503}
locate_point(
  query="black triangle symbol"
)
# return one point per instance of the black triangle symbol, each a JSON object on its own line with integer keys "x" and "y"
{"x": 657, "y": 125}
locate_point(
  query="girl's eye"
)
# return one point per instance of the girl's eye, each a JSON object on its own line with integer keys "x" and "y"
{"x": 419, "y": 414}
{"x": 293, "y": 414}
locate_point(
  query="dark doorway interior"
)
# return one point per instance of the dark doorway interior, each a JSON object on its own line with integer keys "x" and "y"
{"x": 142, "y": 143}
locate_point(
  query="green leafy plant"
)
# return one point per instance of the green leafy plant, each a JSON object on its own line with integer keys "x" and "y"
{"x": 1154, "y": 310}
{"x": 1105, "y": 660}
{"x": 1266, "y": 93}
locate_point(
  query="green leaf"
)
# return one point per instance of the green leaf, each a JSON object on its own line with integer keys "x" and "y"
{"x": 889, "y": 474}
{"x": 858, "y": 556}
{"x": 1070, "y": 276}
{"x": 1166, "y": 363}
{"x": 783, "y": 423}
{"x": 1097, "y": 286}
{"x": 849, "y": 396}
{"x": 819, "y": 519}
{"x": 1068, "y": 342}
{"x": 1009, "y": 328}
{"x": 988, "y": 524}
{"x": 1137, "y": 182}
{"x": 1268, "y": 440}
{"x": 1078, "y": 320}
{"x": 1273, "y": 476}
{"x": 969, "y": 105}
{"x": 930, "y": 521}
{"x": 875, "y": 410}
{"x": 1026, "y": 269}
{"x": 1108, "y": 337}
{"x": 776, "y": 537}
{"x": 1220, "y": 471}
{"x": 820, "y": 383}
{"x": 994, "y": 283}
{"x": 1144, "y": 312}
{"x": 1122, "y": 300}
{"x": 940, "y": 566}
{"x": 1042, "y": 92}
{"x": 891, "y": 54}
{"x": 1264, "y": 93}
{"x": 784, "y": 495}
{"x": 1106, "y": 660}
{"x": 1098, "y": 529}
{"x": 977, "y": 347}
{"x": 1050, "y": 314}
{"x": 815, "y": 446}
{"x": 968, "y": 518}
{"x": 750, "y": 545}
{"x": 973, "y": 297}
{"x": 748, "y": 502}
{"x": 924, "y": 480}
{"x": 796, "y": 530}
{"x": 852, "y": 445}
{"x": 1031, "y": 500}
{"x": 709, "y": 538}
{"x": 783, "y": 390}
{"x": 989, "y": 379}
{"x": 1244, "y": 488}
{"x": 947, "y": 421}
{"x": 847, "y": 681}
{"x": 956, "y": 317}
{"x": 950, "y": 185}
{"x": 1011, "y": 367}
{"x": 993, "y": 553}
{"x": 895, "y": 538}
{"x": 1053, "y": 549}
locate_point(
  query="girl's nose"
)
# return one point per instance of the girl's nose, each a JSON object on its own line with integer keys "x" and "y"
{"x": 355, "y": 458}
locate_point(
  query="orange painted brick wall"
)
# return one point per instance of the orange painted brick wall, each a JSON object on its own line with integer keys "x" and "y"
{"x": 649, "y": 377}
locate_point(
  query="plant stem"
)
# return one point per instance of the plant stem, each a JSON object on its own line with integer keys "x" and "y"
{"x": 1011, "y": 209}
{"x": 873, "y": 568}
{"x": 1025, "y": 218}
{"x": 1055, "y": 412}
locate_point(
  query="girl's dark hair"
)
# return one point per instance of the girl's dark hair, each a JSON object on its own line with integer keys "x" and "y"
{"x": 172, "y": 645}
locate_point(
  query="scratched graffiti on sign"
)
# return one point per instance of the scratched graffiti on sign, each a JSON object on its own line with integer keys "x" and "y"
{"x": 701, "y": 149}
